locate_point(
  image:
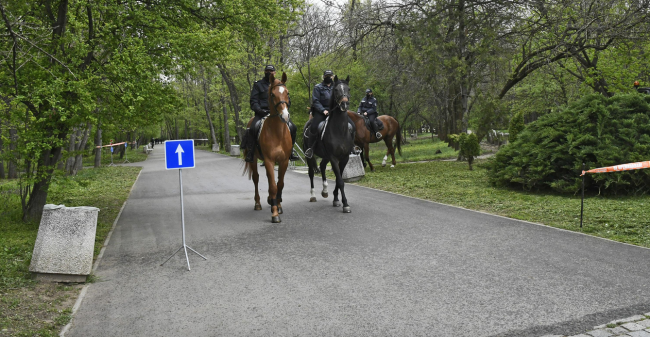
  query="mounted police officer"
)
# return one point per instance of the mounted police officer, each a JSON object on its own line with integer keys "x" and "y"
{"x": 368, "y": 107}
{"x": 319, "y": 108}
{"x": 260, "y": 105}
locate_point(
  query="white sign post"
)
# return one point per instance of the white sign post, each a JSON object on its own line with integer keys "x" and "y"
{"x": 179, "y": 154}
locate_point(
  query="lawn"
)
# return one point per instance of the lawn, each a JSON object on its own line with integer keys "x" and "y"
{"x": 26, "y": 307}
{"x": 421, "y": 149}
{"x": 133, "y": 156}
{"x": 624, "y": 219}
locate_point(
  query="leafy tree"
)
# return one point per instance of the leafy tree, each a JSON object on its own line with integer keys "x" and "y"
{"x": 469, "y": 147}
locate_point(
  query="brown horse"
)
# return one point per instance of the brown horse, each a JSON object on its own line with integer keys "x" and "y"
{"x": 275, "y": 144}
{"x": 364, "y": 137}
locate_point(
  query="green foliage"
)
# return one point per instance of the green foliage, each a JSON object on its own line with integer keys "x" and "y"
{"x": 469, "y": 147}
{"x": 596, "y": 130}
{"x": 516, "y": 126}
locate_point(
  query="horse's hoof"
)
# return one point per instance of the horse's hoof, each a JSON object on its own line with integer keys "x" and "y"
{"x": 336, "y": 203}
{"x": 392, "y": 166}
{"x": 312, "y": 199}
{"x": 324, "y": 195}
{"x": 279, "y": 210}
{"x": 383, "y": 165}
{"x": 276, "y": 219}
{"x": 347, "y": 209}
{"x": 258, "y": 207}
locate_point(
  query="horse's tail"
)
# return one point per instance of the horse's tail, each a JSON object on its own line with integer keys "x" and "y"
{"x": 398, "y": 139}
{"x": 247, "y": 167}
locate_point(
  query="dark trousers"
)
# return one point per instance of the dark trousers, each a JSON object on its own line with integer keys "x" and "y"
{"x": 313, "y": 129}
{"x": 373, "y": 125}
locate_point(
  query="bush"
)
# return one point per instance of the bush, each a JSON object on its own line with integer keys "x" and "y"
{"x": 596, "y": 130}
{"x": 516, "y": 126}
{"x": 469, "y": 147}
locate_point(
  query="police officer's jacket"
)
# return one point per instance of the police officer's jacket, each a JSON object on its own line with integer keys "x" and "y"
{"x": 368, "y": 105}
{"x": 321, "y": 97}
{"x": 260, "y": 97}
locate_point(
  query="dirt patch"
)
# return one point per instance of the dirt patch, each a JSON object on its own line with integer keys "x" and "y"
{"x": 39, "y": 310}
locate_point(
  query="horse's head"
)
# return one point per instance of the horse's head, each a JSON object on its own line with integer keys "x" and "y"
{"x": 340, "y": 94}
{"x": 279, "y": 97}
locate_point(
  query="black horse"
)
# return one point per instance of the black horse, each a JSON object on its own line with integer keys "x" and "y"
{"x": 335, "y": 144}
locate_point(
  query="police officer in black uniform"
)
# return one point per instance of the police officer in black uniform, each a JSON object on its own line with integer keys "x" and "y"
{"x": 319, "y": 108}
{"x": 260, "y": 105}
{"x": 368, "y": 107}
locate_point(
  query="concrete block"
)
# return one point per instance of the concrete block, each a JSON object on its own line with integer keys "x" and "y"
{"x": 645, "y": 323}
{"x": 215, "y": 147}
{"x": 65, "y": 242}
{"x": 234, "y": 150}
{"x": 639, "y": 333}
{"x": 353, "y": 170}
{"x": 599, "y": 333}
{"x": 633, "y": 326}
{"x": 616, "y": 331}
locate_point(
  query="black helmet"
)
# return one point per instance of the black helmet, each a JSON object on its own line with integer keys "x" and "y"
{"x": 368, "y": 91}
{"x": 269, "y": 67}
{"x": 328, "y": 73}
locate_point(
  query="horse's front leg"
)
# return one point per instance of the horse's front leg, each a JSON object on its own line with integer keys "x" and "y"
{"x": 340, "y": 184}
{"x": 323, "y": 166}
{"x": 256, "y": 179}
{"x": 282, "y": 169}
{"x": 311, "y": 164}
{"x": 273, "y": 191}
{"x": 335, "y": 202}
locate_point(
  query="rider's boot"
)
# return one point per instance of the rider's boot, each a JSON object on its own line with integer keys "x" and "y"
{"x": 250, "y": 145}
{"x": 293, "y": 129}
{"x": 311, "y": 142}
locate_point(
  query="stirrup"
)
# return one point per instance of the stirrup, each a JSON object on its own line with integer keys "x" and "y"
{"x": 309, "y": 153}
{"x": 378, "y": 135}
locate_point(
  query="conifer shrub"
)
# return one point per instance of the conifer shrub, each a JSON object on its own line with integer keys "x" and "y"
{"x": 469, "y": 147}
{"x": 516, "y": 126}
{"x": 600, "y": 131}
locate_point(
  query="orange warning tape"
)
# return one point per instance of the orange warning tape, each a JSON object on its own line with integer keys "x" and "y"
{"x": 114, "y": 144}
{"x": 622, "y": 167}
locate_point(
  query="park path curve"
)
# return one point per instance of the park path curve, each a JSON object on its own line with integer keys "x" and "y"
{"x": 395, "y": 266}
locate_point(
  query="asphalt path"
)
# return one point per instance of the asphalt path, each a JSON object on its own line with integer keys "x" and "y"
{"x": 395, "y": 266}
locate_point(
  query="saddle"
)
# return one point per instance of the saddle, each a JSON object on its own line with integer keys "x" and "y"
{"x": 323, "y": 125}
{"x": 378, "y": 123}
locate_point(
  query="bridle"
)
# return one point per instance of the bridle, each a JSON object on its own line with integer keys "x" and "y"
{"x": 343, "y": 105}
{"x": 288, "y": 104}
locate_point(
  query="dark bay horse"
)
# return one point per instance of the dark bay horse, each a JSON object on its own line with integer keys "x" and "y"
{"x": 335, "y": 145}
{"x": 364, "y": 137}
{"x": 275, "y": 144}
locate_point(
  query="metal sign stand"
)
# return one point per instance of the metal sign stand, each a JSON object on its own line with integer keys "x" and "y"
{"x": 126, "y": 159}
{"x": 184, "y": 246}
{"x": 111, "y": 164}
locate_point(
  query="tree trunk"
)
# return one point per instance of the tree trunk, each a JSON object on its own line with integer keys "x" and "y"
{"x": 205, "y": 106}
{"x": 2, "y": 166}
{"x": 78, "y": 164}
{"x": 12, "y": 170}
{"x": 234, "y": 99}
{"x": 33, "y": 210}
{"x": 98, "y": 142}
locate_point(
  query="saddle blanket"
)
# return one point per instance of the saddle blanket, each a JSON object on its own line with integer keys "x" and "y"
{"x": 378, "y": 123}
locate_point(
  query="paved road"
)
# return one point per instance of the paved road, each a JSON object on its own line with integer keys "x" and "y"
{"x": 395, "y": 266}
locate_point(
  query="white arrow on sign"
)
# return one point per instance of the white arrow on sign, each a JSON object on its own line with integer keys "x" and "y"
{"x": 180, "y": 151}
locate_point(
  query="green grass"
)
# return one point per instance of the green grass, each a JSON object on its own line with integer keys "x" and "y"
{"x": 624, "y": 219}
{"x": 133, "y": 156}
{"x": 28, "y": 308}
{"x": 421, "y": 149}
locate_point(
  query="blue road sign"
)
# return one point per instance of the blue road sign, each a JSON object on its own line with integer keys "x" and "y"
{"x": 179, "y": 154}
{"x": 111, "y": 149}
